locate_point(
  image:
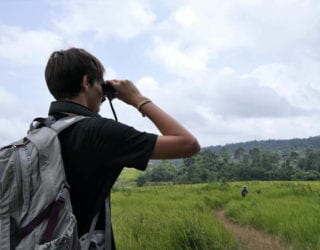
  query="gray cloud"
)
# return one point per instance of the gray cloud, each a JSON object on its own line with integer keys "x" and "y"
{"x": 103, "y": 19}
{"x": 229, "y": 71}
{"x": 245, "y": 98}
{"x": 27, "y": 47}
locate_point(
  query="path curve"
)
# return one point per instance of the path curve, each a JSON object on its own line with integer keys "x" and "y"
{"x": 249, "y": 237}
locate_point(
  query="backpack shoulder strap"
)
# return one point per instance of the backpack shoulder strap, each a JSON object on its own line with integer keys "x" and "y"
{"x": 56, "y": 125}
{"x": 108, "y": 226}
{"x": 48, "y": 147}
{"x": 65, "y": 122}
{"x": 107, "y": 229}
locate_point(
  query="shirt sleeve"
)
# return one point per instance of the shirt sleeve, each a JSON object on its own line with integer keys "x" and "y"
{"x": 126, "y": 146}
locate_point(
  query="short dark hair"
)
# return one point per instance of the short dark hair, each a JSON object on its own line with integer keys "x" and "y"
{"x": 65, "y": 70}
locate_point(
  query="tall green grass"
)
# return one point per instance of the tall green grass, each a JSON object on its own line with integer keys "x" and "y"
{"x": 181, "y": 216}
{"x": 288, "y": 210}
{"x": 168, "y": 217}
{"x": 127, "y": 178}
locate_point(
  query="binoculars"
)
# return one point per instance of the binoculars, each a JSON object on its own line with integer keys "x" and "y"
{"x": 108, "y": 91}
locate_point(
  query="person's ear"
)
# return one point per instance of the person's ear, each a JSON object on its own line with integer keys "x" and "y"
{"x": 85, "y": 83}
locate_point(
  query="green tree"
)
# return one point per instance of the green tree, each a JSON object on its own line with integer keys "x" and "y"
{"x": 239, "y": 153}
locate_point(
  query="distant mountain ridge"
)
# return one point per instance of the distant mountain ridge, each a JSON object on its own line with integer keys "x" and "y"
{"x": 283, "y": 146}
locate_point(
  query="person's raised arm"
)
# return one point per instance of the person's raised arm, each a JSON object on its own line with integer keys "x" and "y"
{"x": 175, "y": 141}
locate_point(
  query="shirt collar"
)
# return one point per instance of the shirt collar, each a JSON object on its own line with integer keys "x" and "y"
{"x": 71, "y": 107}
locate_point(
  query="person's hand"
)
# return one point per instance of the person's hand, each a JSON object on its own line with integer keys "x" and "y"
{"x": 127, "y": 92}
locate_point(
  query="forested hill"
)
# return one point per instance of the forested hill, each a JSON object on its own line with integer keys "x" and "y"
{"x": 294, "y": 159}
{"x": 279, "y": 146}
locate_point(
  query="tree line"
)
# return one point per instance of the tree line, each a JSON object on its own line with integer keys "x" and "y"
{"x": 241, "y": 165}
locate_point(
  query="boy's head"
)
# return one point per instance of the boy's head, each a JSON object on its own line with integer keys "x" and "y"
{"x": 65, "y": 71}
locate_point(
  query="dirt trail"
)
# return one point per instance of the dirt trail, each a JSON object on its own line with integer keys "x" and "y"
{"x": 250, "y": 238}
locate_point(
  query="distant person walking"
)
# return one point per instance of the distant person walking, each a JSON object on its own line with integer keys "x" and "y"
{"x": 244, "y": 191}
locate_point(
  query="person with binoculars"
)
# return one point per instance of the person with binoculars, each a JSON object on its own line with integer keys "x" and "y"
{"x": 95, "y": 150}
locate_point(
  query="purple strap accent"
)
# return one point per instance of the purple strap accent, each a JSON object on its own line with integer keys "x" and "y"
{"x": 36, "y": 221}
{"x": 51, "y": 212}
{"x": 52, "y": 221}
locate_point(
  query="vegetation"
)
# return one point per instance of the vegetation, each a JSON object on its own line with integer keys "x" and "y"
{"x": 208, "y": 166}
{"x": 288, "y": 210}
{"x": 283, "y": 147}
{"x": 168, "y": 217}
{"x": 181, "y": 216}
{"x": 178, "y": 216}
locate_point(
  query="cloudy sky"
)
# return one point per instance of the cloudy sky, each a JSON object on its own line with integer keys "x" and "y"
{"x": 230, "y": 71}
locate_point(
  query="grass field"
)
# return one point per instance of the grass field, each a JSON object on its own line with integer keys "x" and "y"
{"x": 289, "y": 210}
{"x": 181, "y": 216}
{"x": 127, "y": 178}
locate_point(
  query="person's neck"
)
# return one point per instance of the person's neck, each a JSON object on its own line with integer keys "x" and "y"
{"x": 79, "y": 100}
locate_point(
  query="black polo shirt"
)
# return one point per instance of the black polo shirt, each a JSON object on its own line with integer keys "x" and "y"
{"x": 94, "y": 152}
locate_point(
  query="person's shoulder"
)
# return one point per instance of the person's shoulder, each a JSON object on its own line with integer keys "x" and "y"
{"x": 98, "y": 125}
{"x": 96, "y": 121}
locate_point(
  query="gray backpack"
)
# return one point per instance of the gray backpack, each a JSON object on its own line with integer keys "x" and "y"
{"x": 35, "y": 207}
